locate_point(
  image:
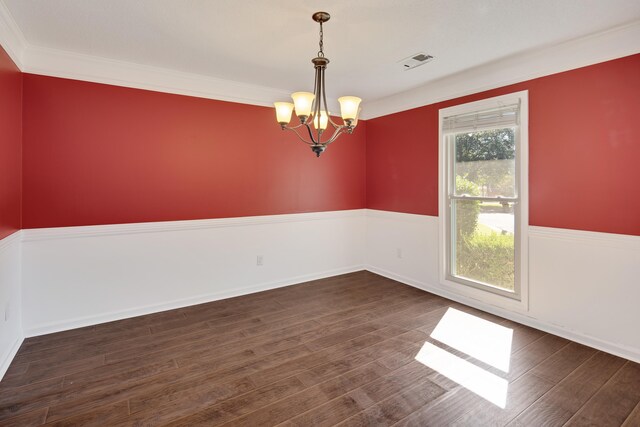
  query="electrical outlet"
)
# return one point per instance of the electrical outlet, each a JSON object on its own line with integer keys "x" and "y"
{"x": 259, "y": 260}
{"x": 7, "y": 311}
{"x": 399, "y": 253}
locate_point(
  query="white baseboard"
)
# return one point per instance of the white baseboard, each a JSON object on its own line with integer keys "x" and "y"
{"x": 606, "y": 346}
{"x": 186, "y": 302}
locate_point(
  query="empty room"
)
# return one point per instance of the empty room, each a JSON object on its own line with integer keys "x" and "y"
{"x": 320, "y": 213}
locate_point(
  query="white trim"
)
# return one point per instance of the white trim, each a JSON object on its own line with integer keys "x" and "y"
{"x": 522, "y": 302}
{"x": 36, "y": 234}
{"x": 622, "y": 241}
{"x": 11, "y": 281}
{"x": 11, "y": 38}
{"x": 606, "y": 346}
{"x": 58, "y": 63}
{"x": 10, "y": 239}
{"x": 398, "y": 216}
{"x": 4, "y": 366}
{"x": 64, "y": 64}
{"x": 201, "y": 299}
{"x": 600, "y": 47}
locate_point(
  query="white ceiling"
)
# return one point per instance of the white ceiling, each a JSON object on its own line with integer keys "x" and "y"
{"x": 271, "y": 43}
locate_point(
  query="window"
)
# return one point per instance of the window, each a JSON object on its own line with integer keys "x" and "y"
{"x": 483, "y": 153}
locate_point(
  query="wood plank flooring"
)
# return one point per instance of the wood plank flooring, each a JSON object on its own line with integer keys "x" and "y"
{"x": 338, "y": 351}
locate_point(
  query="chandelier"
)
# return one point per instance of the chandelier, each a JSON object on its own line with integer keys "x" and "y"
{"x": 311, "y": 108}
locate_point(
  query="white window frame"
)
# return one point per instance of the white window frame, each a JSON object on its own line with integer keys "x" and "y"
{"x": 486, "y": 294}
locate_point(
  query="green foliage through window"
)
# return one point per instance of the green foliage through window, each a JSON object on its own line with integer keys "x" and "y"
{"x": 496, "y": 144}
{"x": 487, "y": 158}
{"x": 487, "y": 258}
{"x": 484, "y": 166}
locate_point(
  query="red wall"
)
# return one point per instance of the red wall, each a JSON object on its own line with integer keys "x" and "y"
{"x": 100, "y": 154}
{"x": 584, "y": 151}
{"x": 10, "y": 145}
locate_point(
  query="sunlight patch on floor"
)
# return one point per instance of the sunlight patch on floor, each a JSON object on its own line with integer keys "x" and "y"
{"x": 481, "y": 339}
{"x": 480, "y": 381}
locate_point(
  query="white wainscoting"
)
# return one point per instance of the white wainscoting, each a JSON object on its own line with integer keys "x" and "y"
{"x": 78, "y": 276}
{"x": 11, "y": 335}
{"x": 583, "y": 286}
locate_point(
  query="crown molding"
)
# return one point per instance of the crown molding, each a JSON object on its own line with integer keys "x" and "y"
{"x": 600, "y": 47}
{"x": 11, "y": 38}
{"x": 64, "y": 64}
{"x": 57, "y": 63}
{"x": 611, "y": 44}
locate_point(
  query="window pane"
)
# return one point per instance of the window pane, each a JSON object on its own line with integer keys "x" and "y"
{"x": 485, "y": 163}
{"x": 483, "y": 241}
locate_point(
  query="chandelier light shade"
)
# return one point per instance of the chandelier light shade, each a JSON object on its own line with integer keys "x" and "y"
{"x": 311, "y": 108}
{"x": 303, "y": 102}
{"x": 349, "y": 106}
{"x": 283, "y": 112}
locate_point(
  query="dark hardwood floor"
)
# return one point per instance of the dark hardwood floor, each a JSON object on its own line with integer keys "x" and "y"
{"x": 337, "y": 351}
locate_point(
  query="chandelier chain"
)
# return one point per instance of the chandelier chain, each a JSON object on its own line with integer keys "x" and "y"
{"x": 321, "y": 52}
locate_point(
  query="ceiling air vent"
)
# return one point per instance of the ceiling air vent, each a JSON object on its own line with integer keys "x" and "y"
{"x": 415, "y": 61}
